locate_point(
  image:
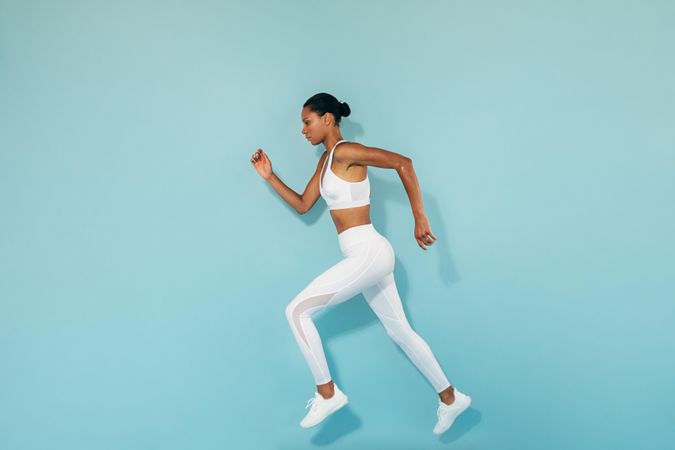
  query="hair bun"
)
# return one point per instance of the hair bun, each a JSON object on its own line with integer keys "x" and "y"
{"x": 344, "y": 109}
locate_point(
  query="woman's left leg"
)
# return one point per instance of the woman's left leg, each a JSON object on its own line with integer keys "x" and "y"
{"x": 384, "y": 300}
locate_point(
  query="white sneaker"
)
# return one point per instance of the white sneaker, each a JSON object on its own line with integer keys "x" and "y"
{"x": 323, "y": 407}
{"x": 447, "y": 413}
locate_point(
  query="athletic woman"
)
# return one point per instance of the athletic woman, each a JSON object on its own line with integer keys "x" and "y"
{"x": 341, "y": 178}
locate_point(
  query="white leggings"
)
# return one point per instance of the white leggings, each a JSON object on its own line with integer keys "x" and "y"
{"x": 367, "y": 268}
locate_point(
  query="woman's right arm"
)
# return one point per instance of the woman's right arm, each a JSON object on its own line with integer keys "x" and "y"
{"x": 301, "y": 203}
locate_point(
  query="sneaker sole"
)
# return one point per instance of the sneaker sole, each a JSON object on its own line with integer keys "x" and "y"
{"x": 337, "y": 407}
{"x": 468, "y": 403}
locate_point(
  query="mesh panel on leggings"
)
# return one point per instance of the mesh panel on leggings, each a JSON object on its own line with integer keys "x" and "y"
{"x": 305, "y": 305}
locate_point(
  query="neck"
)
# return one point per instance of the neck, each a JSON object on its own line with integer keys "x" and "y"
{"x": 330, "y": 141}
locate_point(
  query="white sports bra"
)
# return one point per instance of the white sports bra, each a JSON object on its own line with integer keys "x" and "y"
{"x": 339, "y": 193}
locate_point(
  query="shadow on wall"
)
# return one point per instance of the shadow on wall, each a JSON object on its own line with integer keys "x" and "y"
{"x": 340, "y": 425}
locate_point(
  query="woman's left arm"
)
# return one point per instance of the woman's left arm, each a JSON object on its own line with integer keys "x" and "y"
{"x": 355, "y": 153}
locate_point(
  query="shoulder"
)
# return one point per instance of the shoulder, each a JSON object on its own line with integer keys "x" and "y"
{"x": 349, "y": 151}
{"x": 348, "y": 144}
{"x": 358, "y": 154}
{"x": 344, "y": 149}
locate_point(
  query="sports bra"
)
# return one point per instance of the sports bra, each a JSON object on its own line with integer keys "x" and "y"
{"x": 339, "y": 193}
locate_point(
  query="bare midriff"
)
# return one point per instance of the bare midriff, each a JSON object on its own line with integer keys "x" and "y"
{"x": 350, "y": 217}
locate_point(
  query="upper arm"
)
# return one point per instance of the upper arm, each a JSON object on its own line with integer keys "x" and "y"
{"x": 312, "y": 193}
{"x": 355, "y": 153}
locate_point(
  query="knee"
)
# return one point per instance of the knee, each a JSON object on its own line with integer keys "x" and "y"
{"x": 289, "y": 311}
{"x": 293, "y": 309}
{"x": 305, "y": 304}
{"x": 400, "y": 333}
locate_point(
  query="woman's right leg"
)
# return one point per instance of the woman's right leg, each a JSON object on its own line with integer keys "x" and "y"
{"x": 362, "y": 266}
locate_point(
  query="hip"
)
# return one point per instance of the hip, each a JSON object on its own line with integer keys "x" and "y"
{"x": 352, "y": 241}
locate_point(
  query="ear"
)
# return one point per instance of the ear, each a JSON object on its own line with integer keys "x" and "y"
{"x": 328, "y": 119}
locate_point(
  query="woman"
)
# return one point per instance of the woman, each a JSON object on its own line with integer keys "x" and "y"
{"x": 341, "y": 179}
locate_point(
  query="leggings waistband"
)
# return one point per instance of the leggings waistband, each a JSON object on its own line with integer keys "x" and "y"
{"x": 354, "y": 235}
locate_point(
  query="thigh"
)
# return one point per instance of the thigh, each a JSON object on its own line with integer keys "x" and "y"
{"x": 347, "y": 278}
{"x": 384, "y": 300}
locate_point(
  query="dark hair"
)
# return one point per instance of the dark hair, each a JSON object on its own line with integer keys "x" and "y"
{"x": 322, "y": 103}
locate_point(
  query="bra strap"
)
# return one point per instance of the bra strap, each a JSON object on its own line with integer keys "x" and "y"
{"x": 329, "y": 160}
{"x": 341, "y": 140}
{"x": 330, "y": 155}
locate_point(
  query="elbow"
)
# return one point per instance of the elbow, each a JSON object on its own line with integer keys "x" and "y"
{"x": 300, "y": 206}
{"x": 405, "y": 164}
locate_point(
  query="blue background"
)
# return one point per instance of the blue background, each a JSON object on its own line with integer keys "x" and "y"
{"x": 145, "y": 266}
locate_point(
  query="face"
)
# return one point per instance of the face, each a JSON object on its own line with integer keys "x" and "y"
{"x": 314, "y": 127}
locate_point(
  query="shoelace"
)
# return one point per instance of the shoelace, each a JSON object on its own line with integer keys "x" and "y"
{"x": 312, "y": 401}
{"x": 442, "y": 410}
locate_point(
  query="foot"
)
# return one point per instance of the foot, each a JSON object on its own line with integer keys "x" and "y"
{"x": 448, "y": 413}
{"x": 323, "y": 407}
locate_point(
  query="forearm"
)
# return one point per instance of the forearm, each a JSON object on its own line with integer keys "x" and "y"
{"x": 407, "y": 174}
{"x": 289, "y": 195}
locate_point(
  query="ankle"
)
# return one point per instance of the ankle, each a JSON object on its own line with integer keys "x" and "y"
{"x": 447, "y": 396}
{"x": 326, "y": 390}
{"x": 448, "y": 400}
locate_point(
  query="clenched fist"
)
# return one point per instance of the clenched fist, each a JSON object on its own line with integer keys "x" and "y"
{"x": 262, "y": 163}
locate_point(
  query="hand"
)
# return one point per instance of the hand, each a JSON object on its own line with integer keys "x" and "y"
{"x": 262, "y": 163}
{"x": 423, "y": 234}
